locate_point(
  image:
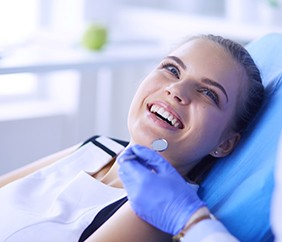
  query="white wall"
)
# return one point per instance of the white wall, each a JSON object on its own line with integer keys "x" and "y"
{"x": 25, "y": 140}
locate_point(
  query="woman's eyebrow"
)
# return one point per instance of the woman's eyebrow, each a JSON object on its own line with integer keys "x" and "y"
{"x": 216, "y": 84}
{"x": 178, "y": 61}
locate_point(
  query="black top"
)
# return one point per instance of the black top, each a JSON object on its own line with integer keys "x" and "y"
{"x": 101, "y": 217}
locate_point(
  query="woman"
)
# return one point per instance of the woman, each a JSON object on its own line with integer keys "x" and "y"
{"x": 200, "y": 99}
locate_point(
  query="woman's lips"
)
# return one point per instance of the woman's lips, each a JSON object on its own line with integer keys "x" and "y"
{"x": 166, "y": 114}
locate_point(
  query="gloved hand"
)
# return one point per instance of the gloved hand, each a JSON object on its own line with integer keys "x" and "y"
{"x": 156, "y": 191}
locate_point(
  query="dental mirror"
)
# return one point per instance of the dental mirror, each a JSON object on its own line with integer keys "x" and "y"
{"x": 159, "y": 144}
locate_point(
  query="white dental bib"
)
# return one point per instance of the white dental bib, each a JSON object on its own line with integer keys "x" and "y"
{"x": 58, "y": 202}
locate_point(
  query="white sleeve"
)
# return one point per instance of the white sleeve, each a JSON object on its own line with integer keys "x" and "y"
{"x": 208, "y": 231}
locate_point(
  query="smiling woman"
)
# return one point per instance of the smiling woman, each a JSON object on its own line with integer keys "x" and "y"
{"x": 195, "y": 99}
{"x": 197, "y": 86}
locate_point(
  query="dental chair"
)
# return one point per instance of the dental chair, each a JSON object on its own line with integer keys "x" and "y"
{"x": 238, "y": 189}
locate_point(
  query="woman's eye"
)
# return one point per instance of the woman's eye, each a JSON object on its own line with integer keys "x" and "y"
{"x": 173, "y": 69}
{"x": 210, "y": 94}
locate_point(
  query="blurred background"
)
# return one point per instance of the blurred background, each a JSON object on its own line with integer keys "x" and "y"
{"x": 54, "y": 92}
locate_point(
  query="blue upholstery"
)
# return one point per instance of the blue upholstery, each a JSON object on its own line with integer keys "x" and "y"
{"x": 239, "y": 187}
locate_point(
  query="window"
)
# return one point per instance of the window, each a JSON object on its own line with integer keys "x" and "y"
{"x": 23, "y": 93}
{"x": 18, "y": 20}
{"x": 17, "y": 86}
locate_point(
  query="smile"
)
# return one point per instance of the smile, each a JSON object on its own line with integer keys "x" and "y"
{"x": 166, "y": 116}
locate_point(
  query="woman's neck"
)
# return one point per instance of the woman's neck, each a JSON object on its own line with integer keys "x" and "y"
{"x": 111, "y": 177}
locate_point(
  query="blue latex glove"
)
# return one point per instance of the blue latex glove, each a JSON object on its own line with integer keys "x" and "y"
{"x": 157, "y": 192}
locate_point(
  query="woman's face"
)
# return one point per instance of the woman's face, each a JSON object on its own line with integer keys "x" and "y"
{"x": 189, "y": 100}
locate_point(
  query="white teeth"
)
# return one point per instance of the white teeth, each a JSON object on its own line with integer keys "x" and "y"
{"x": 165, "y": 114}
{"x": 154, "y": 108}
{"x": 170, "y": 117}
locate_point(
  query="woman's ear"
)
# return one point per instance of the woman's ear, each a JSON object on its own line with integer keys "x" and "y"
{"x": 227, "y": 146}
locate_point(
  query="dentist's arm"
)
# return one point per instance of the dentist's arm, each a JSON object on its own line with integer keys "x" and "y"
{"x": 159, "y": 195}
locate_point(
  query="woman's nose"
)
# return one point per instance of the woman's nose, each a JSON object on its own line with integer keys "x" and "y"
{"x": 179, "y": 92}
